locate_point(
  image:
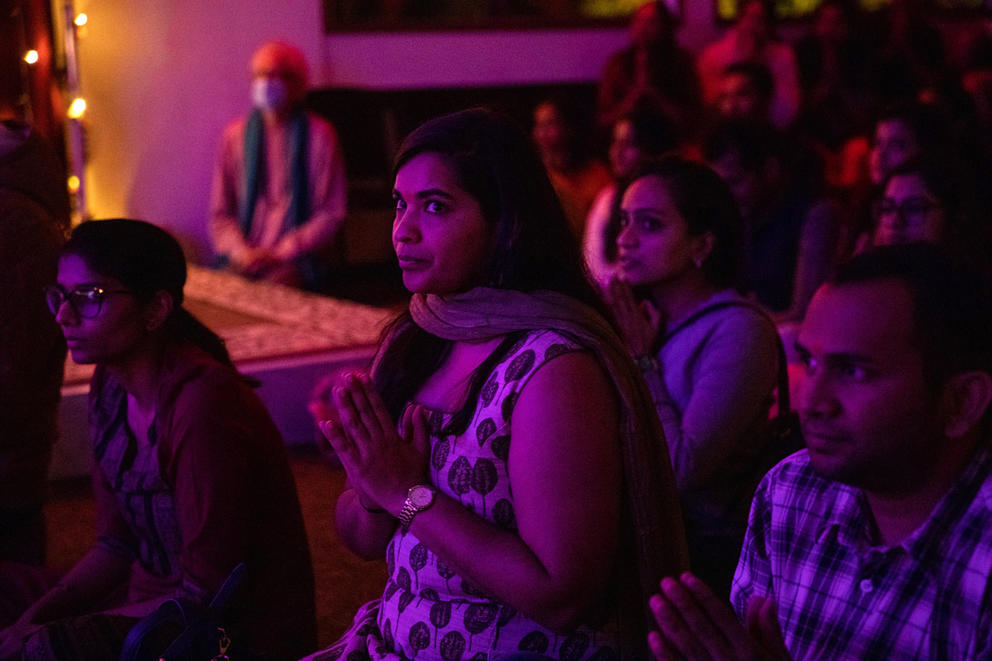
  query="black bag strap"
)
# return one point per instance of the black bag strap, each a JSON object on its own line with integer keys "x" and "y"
{"x": 221, "y": 602}
{"x": 171, "y": 617}
{"x": 782, "y": 403}
{"x": 208, "y": 628}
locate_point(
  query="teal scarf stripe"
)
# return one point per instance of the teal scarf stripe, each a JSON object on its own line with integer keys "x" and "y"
{"x": 299, "y": 204}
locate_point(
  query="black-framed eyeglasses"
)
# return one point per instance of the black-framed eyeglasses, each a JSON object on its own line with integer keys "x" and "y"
{"x": 910, "y": 210}
{"x": 86, "y": 300}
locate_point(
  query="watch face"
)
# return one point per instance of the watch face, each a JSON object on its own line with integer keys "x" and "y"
{"x": 421, "y": 496}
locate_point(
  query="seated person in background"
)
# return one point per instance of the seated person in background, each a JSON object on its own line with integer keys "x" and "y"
{"x": 910, "y": 54}
{"x": 190, "y": 474}
{"x": 745, "y": 97}
{"x": 752, "y": 39}
{"x": 708, "y": 355}
{"x": 928, "y": 202}
{"x": 528, "y": 457}
{"x": 874, "y": 542}
{"x": 279, "y": 197}
{"x": 903, "y": 133}
{"x": 920, "y": 202}
{"x": 640, "y": 135}
{"x": 834, "y": 58}
{"x": 746, "y": 90}
{"x": 562, "y": 137}
{"x": 654, "y": 70}
{"x": 34, "y": 217}
{"x": 790, "y": 229}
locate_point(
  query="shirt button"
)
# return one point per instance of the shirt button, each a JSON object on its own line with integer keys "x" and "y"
{"x": 867, "y": 586}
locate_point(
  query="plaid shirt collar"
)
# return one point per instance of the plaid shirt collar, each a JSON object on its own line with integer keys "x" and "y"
{"x": 851, "y": 521}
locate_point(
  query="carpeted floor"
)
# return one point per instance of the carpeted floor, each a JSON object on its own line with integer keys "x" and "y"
{"x": 343, "y": 581}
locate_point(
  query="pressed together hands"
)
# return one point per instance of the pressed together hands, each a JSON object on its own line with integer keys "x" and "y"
{"x": 695, "y": 624}
{"x": 638, "y": 321}
{"x": 381, "y": 462}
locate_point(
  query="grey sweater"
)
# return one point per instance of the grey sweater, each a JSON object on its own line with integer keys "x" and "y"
{"x": 712, "y": 391}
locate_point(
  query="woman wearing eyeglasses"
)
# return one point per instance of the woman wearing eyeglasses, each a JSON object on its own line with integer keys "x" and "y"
{"x": 932, "y": 201}
{"x": 190, "y": 474}
{"x": 919, "y": 203}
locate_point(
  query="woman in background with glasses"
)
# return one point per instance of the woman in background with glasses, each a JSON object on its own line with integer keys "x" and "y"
{"x": 190, "y": 474}
{"x": 920, "y": 202}
{"x": 931, "y": 201}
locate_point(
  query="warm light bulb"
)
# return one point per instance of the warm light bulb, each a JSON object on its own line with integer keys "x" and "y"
{"x": 31, "y": 56}
{"x": 73, "y": 183}
{"x": 81, "y": 20}
{"x": 77, "y": 108}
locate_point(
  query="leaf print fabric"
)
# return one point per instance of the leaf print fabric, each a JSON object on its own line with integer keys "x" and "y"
{"x": 506, "y": 408}
{"x": 484, "y": 479}
{"x": 439, "y": 454}
{"x": 501, "y": 447}
{"x": 535, "y": 641}
{"x": 519, "y": 366}
{"x": 478, "y": 617}
{"x": 452, "y": 646}
{"x": 440, "y": 614}
{"x": 427, "y": 611}
{"x": 460, "y": 477}
{"x": 485, "y": 430}
{"x": 489, "y": 390}
{"x": 445, "y": 572}
{"x": 574, "y": 647}
{"x": 418, "y": 559}
{"x": 420, "y": 637}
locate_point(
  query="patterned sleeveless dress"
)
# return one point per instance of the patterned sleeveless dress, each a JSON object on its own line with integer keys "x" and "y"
{"x": 427, "y": 612}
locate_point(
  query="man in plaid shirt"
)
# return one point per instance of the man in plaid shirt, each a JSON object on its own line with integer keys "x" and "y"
{"x": 876, "y": 541}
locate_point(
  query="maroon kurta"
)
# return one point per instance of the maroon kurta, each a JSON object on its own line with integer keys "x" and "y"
{"x": 210, "y": 489}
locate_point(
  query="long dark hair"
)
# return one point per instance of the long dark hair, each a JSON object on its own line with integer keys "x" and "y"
{"x": 146, "y": 260}
{"x": 533, "y": 248}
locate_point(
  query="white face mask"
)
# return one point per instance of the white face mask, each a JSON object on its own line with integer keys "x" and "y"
{"x": 268, "y": 93}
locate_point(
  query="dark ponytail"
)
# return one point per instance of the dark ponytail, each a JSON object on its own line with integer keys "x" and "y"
{"x": 191, "y": 329}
